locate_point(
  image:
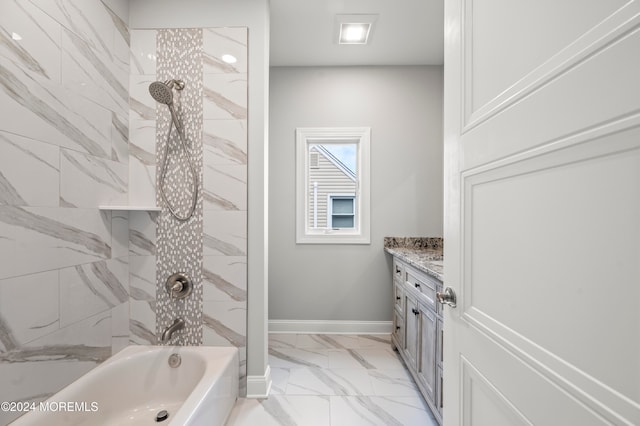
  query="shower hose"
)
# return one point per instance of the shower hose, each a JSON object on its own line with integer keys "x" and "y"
{"x": 163, "y": 174}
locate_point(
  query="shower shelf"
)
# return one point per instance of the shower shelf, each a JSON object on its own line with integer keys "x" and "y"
{"x": 132, "y": 208}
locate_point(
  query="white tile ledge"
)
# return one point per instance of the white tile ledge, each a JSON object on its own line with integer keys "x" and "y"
{"x": 132, "y": 208}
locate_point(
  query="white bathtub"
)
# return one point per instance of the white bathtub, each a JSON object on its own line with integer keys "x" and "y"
{"x": 134, "y": 385}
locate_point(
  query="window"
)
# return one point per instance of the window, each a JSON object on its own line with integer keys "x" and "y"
{"x": 332, "y": 185}
{"x": 342, "y": 211}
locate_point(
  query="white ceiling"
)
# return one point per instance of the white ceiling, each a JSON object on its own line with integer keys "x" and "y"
{"x": 407, "y": 32}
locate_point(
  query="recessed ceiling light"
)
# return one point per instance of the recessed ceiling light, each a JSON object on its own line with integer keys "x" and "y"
{"x": 354, "y": 29}
{"x": 16, "y": 36}
{"x": 354, "y": 33}
{"x": 230, "y": 59}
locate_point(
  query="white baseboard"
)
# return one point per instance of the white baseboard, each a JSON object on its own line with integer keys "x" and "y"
{"x": 259, "y": 386}
{"x": 330, "y": 327}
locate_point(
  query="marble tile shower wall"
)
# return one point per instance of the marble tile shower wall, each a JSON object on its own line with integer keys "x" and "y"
{"x": 224, "y": 182}
{"x": 64, "y": 284}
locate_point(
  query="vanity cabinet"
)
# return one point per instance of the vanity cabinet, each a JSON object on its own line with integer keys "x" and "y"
{"x": 417, "y": 331}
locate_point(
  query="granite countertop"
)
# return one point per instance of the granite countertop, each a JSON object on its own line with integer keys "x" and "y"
{"x": 424, "y": 254}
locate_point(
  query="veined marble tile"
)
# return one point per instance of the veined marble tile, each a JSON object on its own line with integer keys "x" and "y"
{"x": 37, "y": 239}
{"x": 119, "y": 12}
{"x": 30, "y": 39}
{"x": 279, "y": 380}
{"x": 327, "y": 341}
{"x": 281, "y": 410}
{"x": 143, "y": 52}
{"x": 38, "y": 292}
{"x": 120, "y": 320}
{"x": 217, "y": 42}
{"x": 36, "y": 381}
{"x": 91, "y": 21}
{"x": 142, "y": 278}
{"x": 142, "y": 233}
{"x": 141, "y": 105}
{"x": 396, "y": 382}
{"x": 142, "y": 147}
{"x": 119, "y": 138}
{"x": 88, "y": 181}
{"x": 29, "y": 172}
{"x": 225, "y": 142}
{"x": 225, "y": 278}
{"x": 322, "y": 381}
{"x": 225, "y": 232}
{"x": 225, "y": 96}
{"x": 142, "y": 163}
{"x": 93, "y": 74}
{"x": 142, "y": 323}
{"x": 86, "y": 290}
{"x": 225, "y": 187}
{"x": 224, "y": 323}
{"x": 298, "y": 358}
{"x": 382, "y": 341}
{"x": 282, "y": 340}
{"x": 383, "y": 411}
{"x": 51, "y": 113}
{"x": 119, "y": 234}
{"x": 370, "y": 359}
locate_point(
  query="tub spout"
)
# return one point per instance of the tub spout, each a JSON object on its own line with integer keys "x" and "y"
{"x": 178, "y": 324}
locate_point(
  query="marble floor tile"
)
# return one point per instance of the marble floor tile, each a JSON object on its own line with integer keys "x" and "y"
{"x": 369, "y": 358}
{"x": 396, "y": 382}
{"x": 282, "y": 340}
{"x": 335, "y": 380}
{"x": 383, "y": 411}
{"x": 280, "y": 410}
{"x": 298, "y": 358}
{"x": 323, "y": 381}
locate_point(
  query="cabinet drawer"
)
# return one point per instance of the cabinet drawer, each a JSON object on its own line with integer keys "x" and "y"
{"x": 398, "y": 296}
{"x": 424, "y": 285}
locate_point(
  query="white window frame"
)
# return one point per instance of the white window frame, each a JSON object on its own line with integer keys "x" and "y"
{"x": 361, "y": 234}
{"x": 330, "y": 198}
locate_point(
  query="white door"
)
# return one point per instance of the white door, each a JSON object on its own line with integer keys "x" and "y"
{"x": 542, "y": 216}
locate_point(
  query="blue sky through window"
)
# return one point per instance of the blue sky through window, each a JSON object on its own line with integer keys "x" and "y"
{"x": 343, "y": 152}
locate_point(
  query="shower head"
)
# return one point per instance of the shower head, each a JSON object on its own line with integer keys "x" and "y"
{"x": 161, "y": 91}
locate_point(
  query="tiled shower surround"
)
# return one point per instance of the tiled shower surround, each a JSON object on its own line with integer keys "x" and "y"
{"x": 211, "y": 246}
{"x": 77, "y": 131}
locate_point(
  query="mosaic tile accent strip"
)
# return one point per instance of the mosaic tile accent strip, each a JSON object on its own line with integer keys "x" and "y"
{"x": 179, "y": 243}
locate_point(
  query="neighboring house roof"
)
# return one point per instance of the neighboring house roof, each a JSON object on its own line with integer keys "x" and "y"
{"x": 339, "y": 164}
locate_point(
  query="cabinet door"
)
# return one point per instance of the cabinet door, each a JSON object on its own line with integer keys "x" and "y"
{"x": 412, "y": 327}
{"x": 428, "y": 343}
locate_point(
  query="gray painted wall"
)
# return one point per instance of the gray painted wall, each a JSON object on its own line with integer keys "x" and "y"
{"x": 403, "y": 107}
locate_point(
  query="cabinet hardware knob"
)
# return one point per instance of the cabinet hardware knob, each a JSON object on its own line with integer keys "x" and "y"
{"x": 417, "y": 285}
{"x": 397, "y": 327}
{"x": 397, "y": 270}
{"x": 415, "y": 311}
{"x": 398, "y": 297}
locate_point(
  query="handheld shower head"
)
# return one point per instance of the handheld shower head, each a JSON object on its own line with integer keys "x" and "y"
{"x": 161, "y": 92}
